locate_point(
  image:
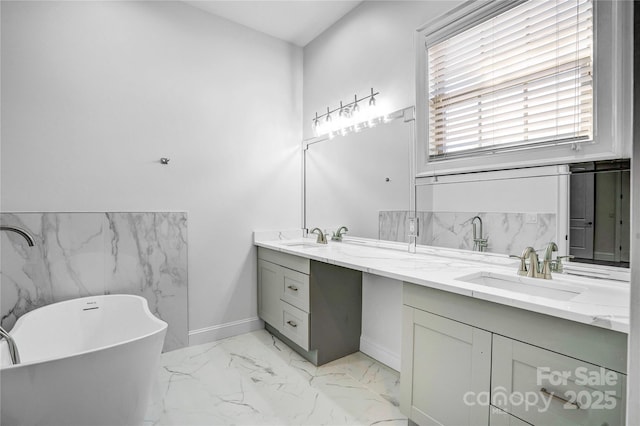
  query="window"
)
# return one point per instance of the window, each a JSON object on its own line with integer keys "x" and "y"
{"x": 519, "y": 80}
{"x": 522, "y": 77}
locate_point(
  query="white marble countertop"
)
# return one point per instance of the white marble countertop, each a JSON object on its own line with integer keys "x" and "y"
{"x": 599, "y": 302}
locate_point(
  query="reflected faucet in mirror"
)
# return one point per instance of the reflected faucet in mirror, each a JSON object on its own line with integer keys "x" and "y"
{"x": 337, "y": 236}
{"x": 548, "y": 260}
{"x": 479, "y": 243}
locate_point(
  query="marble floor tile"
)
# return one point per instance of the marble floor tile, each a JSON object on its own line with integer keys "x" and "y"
{"x": 255, "y": 379}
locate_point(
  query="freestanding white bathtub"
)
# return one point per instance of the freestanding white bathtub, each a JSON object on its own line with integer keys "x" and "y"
{"x": 87, "y": 361}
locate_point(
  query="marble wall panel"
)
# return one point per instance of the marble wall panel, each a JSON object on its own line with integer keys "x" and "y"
{"x": 85, "y": 254}
{"x": 394, "y": 226}
{"x": 507, "y": 233}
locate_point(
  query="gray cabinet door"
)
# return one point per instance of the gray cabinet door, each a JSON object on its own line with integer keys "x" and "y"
{"x": 446, "y": 369}
{"x": 502, "y": 418}
{"x": 270, "y": 278}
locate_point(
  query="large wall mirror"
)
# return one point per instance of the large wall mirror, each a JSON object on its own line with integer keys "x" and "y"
{"x": 361, "y": 181}
{"x": 496, "y": 212}
{"x": 364, "y": 181}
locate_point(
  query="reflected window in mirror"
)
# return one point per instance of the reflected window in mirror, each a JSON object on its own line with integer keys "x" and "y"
{"x": 599, "y": 223}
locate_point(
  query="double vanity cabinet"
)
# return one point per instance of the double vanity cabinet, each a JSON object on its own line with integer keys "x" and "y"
{"x": 473, "y": 362}
{"x": 314, "y": 307}
{"x": 469, "y": 356}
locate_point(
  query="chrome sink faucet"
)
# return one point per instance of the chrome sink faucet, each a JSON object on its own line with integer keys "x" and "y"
{"x": 548, "y": 262}
{"x": 479, "y": 243}
{"x": 532, "y": 269}
{"x": 553, "y": 265}
{"x": 322, "y": 238}
{"x": 337, "y": 236}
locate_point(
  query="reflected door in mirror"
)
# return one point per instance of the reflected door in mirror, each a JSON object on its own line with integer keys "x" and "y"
{"x": 582, "y": 215}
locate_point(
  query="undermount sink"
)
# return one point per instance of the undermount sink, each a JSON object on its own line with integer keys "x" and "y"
{"x": 532, "y": 286}
{"x": 299, "y": 244}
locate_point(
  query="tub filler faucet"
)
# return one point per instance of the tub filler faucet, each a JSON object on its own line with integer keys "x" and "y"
{"x": 479, "y": 243}
{"x": 13, "y": 348}
{"x": 4, "y": 334}
{"x": 30, "y": 241}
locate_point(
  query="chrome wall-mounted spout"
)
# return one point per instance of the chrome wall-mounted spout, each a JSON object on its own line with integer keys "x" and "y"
{"x": 20, "y": 231}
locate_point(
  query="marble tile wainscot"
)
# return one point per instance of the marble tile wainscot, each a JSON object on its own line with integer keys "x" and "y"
{"x": 86, "y": 254}
{"x": 508, "y": 233}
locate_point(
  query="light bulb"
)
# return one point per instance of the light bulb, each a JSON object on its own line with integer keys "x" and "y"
{"x": 355, "y": 109}
{"x": 328, "y": 122}
{"x": 372, "y": 101}
{"x": 316, "y": 125}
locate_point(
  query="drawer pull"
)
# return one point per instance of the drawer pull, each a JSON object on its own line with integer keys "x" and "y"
{"x": 292, "y": 287}
{"x": 292, "y": 324}
{"x": 564, "y": 401}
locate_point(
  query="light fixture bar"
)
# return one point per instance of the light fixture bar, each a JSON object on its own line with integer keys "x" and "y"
{"x": 329, "y": 112}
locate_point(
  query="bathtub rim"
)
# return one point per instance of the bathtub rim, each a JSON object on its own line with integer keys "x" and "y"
{"x": 163, "y": 327}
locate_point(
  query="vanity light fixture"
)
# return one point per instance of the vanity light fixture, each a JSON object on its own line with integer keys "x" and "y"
{"x": 350, "y": 117}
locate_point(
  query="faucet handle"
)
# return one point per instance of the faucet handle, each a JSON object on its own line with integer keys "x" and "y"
{"x": 557, "y": 265}
{"x": 522, "y": 270}
{"x": 565, "y": 257}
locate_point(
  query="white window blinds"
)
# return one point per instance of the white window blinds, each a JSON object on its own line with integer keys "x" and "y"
{"x": 522, "y": 78}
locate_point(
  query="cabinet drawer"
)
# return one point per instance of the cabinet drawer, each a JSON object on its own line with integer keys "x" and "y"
{"x": 547, "y": 388}
{"x": 297, "y": 263}
{"x": 295, "y": 289}
{"x": 295, "y": 325}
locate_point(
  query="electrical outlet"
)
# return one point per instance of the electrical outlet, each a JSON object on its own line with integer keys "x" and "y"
{"x": 531, "y": 218}
{"x": 413, "y": 226}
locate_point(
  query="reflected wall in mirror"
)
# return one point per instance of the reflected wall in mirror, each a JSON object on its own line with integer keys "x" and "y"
{"x": 599, "y": 229}
{"x": 362, "y": 181}
{"x": 517, "y": 208}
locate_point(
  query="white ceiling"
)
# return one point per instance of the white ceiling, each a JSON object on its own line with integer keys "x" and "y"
{"x": 295, "y": 21}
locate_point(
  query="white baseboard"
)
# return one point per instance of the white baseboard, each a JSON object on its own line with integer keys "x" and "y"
{"x": 380, "y": 353}
{"x": 222, "y": 331}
